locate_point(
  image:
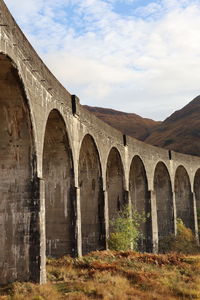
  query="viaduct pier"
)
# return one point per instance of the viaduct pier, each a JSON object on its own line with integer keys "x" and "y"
{"x": 64, "y": 173}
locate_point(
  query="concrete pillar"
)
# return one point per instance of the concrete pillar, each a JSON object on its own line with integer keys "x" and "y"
{"x": 78, "y": 221}
{"x": 42, "y": 232}
{"x": 106, "y": 217}
{"x": 154, "y": 222}
{"x": 196, "y": 231}
{"x": 175, "y": 214}
{"x": 37, "y": 248}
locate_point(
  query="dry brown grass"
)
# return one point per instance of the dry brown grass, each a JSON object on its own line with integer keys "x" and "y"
{"x": 115, "y": 275}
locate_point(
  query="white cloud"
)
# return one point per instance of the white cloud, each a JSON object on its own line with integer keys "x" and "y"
{"x": 146, "y": 62}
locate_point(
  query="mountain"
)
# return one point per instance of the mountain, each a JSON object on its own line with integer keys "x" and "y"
{"x": 129, "y": 123}
{"x": 179, "y": 132}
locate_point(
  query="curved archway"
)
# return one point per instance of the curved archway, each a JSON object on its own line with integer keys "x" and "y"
{"x": 197, "y": 195}
{"x": 58, "y": 174}
{"x": 183, "y": 197}
{"x": 91, "y": 197}
{"x": 17, "y": 178}
{"x": 140, "y": 201}
{"x": 115, "y": 182}
{"x": 164, "y": 201}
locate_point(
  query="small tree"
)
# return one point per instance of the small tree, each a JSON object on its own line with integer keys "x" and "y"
{"x": 125, "y": 231}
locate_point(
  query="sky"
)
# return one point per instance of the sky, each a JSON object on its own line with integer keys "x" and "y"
{"x": 136, "y": 56}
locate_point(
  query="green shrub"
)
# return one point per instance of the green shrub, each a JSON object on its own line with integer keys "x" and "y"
{"x": 184, "y": 241}
{"x": 125, "y": 231}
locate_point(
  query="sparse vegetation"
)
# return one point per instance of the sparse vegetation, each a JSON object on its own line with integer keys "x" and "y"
{"x": 125, "y": 231}
{"x": 115, "y": 275}
{"x": 184, "y": 242}
{"x": 120, "y": 275}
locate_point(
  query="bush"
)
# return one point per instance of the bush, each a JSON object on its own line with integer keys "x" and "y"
{"x": 125, "y": 231}
{"x": 184, "y": 241}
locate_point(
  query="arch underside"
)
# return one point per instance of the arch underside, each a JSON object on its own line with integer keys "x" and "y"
{"x": 16, "y": 178}
{"x": 58, "y": 175}
{"x": 164, "y": 201}
{"x": 115, "y": 183}
{"x": 91, "y": 197}
{"x": 140, "y": 201}
{"x": 183, "y": 197}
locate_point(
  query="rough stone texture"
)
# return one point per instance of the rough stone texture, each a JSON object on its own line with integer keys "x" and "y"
{"x": 86, "y": 180}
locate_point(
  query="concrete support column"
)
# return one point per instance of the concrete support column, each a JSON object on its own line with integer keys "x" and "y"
{"x": 42, "y": 232}
{"x": 106, "y": 217}
{"x": 196, "y": 231}
{"x": 154, "y": 222}
{"x": 37, "y": 249}
{"x": 175, "y": 213}
{"x": 78, "y": 221}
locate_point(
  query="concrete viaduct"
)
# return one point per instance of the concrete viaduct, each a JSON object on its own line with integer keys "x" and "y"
{"x": 64, "y": 173}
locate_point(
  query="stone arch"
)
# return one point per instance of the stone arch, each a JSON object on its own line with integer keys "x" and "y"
{"x": 18, "y": 180}
{"x": 115, "y": 182}
{"x": 197, "y": 195}
{"x": 164, "y": 201}
{"x": 58, "y": 174}
{"x": 183, "y": 197}
{"x": 91, "y": 196}
{"x": 140, "y": 202}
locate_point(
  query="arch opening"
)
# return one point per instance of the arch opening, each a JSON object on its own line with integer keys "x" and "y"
{"x": 17, "y": 173}
{"x": 164, "y": 202}
{"x": 115, "y": 183}
{"x": 140, "y": 201}
{"x": 58, "y": 173}
{"x": 91, "y": 197}
{"x": 197, "y": 196}
{"x": 183, "y": 197}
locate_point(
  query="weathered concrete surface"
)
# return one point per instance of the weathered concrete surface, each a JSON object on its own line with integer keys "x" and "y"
{"x": 91, "y": 191}
{"x": 64, "y": 173}
{"x": 58, "y": 174}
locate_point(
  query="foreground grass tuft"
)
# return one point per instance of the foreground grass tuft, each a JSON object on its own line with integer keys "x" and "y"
{"x": 115, "y": 275}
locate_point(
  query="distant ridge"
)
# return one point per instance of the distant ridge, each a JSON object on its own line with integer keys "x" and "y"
{"x": 129, "y": 123}
{"x": 179, "y": 132}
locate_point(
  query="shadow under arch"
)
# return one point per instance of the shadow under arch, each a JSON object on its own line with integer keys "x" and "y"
{"x": 91, "y": 196}
{"x": 19, "y": 186}
{"x": 197, "y": 196}
{"x": 183, "y": 198}
{"x": 140, "y": 201}
{"x": 164, "y": 202}
{"x": 58, "y": 174}
{"x": 117, "y": 197}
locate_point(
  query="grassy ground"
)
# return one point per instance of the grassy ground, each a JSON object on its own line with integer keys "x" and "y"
{"x": 115, "y": 275}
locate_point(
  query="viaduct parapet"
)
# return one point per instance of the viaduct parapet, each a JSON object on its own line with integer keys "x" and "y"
{"x": 64, "y": 173}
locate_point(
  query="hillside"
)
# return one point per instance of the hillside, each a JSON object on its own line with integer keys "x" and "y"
{"x": 179, "y": 132}
{"x": 129, "y": 123}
